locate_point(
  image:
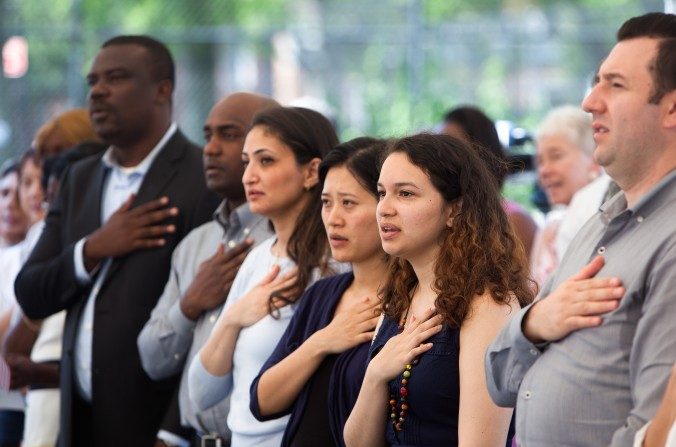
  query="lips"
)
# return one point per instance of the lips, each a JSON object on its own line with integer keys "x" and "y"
{"x": 254, "y": 194}
{"x": 388, "y": 231}
{"x": 99, "y": 112}
{"x": 337, "y": 240}
{"x": 599, "y": 129}
{"x": 212, "y": 169}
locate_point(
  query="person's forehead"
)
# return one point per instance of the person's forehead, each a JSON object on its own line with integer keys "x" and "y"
{"x": 629, "y": 57}
{"x": 123, "y": 56}
{"x": 238, "y": 109}
{"x": 223, "y": 114}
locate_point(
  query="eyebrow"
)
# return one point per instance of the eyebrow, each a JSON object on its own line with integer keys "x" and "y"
{"x": 611, "y": 76}
{"x": 341, "y": 194}
{"x": 402, "y": 184}
{"x": 222, "y": 127}
{"x": 257, "y": 151}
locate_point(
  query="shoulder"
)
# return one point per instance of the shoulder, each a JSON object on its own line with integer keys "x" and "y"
{"x": 486, "y": 314}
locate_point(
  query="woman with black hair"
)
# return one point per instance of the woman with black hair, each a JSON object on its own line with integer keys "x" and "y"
{"x": 317, "y": 368}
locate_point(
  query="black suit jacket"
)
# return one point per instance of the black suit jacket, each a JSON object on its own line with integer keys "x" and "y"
{"x": 127, "y": 406}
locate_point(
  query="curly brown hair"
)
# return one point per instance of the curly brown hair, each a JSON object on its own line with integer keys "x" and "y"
{"x": 480, "y": 252}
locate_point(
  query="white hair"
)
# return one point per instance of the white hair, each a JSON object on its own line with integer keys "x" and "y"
{"x": 570, "y": 122}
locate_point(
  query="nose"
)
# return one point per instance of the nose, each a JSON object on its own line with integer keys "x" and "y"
{"x": 543, "y": 169}
{"x": 212, "y": 148}
{"x": 334, "y": 217}
{"x": 592, "y": 102}
{"x": 97, "y": 89}
{"x": 384, "y": 207}
{"x": 250, "y": 175}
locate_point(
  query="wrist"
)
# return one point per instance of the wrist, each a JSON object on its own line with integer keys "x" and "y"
{"x": 529, "y": 327}
{"x": 373, "y": 376}
{"x": 90, "y": 256}
{"x": 317, "y": 345}
{"x": 190, "y": 307}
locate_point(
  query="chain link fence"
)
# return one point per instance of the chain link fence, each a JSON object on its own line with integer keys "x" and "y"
{"x": 381, "y": 68}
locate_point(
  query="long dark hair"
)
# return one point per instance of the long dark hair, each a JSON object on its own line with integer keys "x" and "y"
{"x": 479, "y": 252}
{"x": 309, "y": 135}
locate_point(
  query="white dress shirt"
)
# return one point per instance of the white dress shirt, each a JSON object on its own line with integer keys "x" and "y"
{"x": 119, "y": 184}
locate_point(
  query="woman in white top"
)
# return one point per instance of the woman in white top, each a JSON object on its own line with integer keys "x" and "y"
{"x": 564, "y": 165}
{"x": 282, "y": 153}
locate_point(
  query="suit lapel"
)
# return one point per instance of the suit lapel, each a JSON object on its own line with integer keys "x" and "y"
{"x": 90, "y": 215}
{"x": 157, "y": 178}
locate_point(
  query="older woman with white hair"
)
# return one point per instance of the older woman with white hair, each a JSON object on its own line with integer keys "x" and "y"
{"x": 564, "y": 165}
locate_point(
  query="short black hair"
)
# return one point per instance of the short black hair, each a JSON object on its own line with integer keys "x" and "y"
{"x": 662, "y": 26}
{"x": 162, "y": 67}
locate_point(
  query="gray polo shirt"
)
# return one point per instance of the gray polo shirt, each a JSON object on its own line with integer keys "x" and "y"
{"x": 598, "y": 386}
{"x": 169, "y": 340}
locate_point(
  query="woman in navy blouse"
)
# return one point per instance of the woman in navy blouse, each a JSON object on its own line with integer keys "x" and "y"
{"x": 317, "y": 368}
{"x": 457, "y": 277}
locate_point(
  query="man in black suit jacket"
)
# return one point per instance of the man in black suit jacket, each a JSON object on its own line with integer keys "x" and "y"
{"x": 105, "y": 252}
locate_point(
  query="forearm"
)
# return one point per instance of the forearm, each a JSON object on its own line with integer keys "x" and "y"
{"x": 366, "y": 424}
{"x": 21, "y": 336}
{"x": 45, "y": 375}
{"x": 280, "y": 385}
{"x": 216, "y": 355}
{"x": 164, "y": 342}
{"x": 47, "y": 286}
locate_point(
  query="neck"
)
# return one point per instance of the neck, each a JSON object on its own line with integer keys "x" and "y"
{"x": 423, "y": 266}
{"x": 370, "y": 273}
{"x": 640, "y": 180}
{"x": 284, "y": 225}
{"x": 129, "y": 154}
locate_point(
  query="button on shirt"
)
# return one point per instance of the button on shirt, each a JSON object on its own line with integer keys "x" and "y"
{"x": 598, "y": 386}
{"x": 169, "y": 340}
{"x": 119, "y": 184}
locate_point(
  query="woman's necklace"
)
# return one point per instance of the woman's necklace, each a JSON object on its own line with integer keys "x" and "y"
{"x": 398, "y": 415}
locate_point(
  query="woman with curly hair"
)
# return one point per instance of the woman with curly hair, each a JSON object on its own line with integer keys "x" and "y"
{"x": 456, "y": 276}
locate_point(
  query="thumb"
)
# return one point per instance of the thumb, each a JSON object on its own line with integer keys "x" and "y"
{"x": 590, "y": 270}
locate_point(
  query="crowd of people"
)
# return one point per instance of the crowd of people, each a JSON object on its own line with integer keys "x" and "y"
{"x": 279, "y": 287}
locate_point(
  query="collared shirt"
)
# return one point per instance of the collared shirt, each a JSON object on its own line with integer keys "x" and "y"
{"x": 169, "y": 340}
{"x": 599, "y": 385}
{"x": 119, "y": 184}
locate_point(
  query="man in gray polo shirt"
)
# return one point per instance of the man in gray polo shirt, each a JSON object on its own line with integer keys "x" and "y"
{"x": 587, "y": 363}
{"x": 205, "y": 263}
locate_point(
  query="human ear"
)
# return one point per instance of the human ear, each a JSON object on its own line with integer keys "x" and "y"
{"x": 311, "y": 173}
{"x": 668, "y": 104}
{"x": 164, "y": 90}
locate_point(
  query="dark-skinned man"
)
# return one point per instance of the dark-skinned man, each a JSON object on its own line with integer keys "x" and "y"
{"x": 205, "y": 263}
{"x": 105, "y": 252}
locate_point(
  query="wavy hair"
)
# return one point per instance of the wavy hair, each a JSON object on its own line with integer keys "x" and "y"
{"x": 309, "y": 135}
{"x": 479, "y": 252}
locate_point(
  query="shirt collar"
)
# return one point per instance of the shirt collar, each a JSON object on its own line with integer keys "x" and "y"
{"x": 141, "y": 168}
{"x": 662, "y": 192}
{"x": 240, "y": 216}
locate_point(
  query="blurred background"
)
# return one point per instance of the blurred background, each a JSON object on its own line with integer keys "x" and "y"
{"x": 382, "y": 68}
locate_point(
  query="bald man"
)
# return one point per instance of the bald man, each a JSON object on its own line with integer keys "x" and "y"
{"x": 205, "y": 263}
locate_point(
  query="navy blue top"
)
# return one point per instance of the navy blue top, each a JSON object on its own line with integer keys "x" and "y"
{"x": 314, "y": 312}
{"x": 433, "y": 391}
